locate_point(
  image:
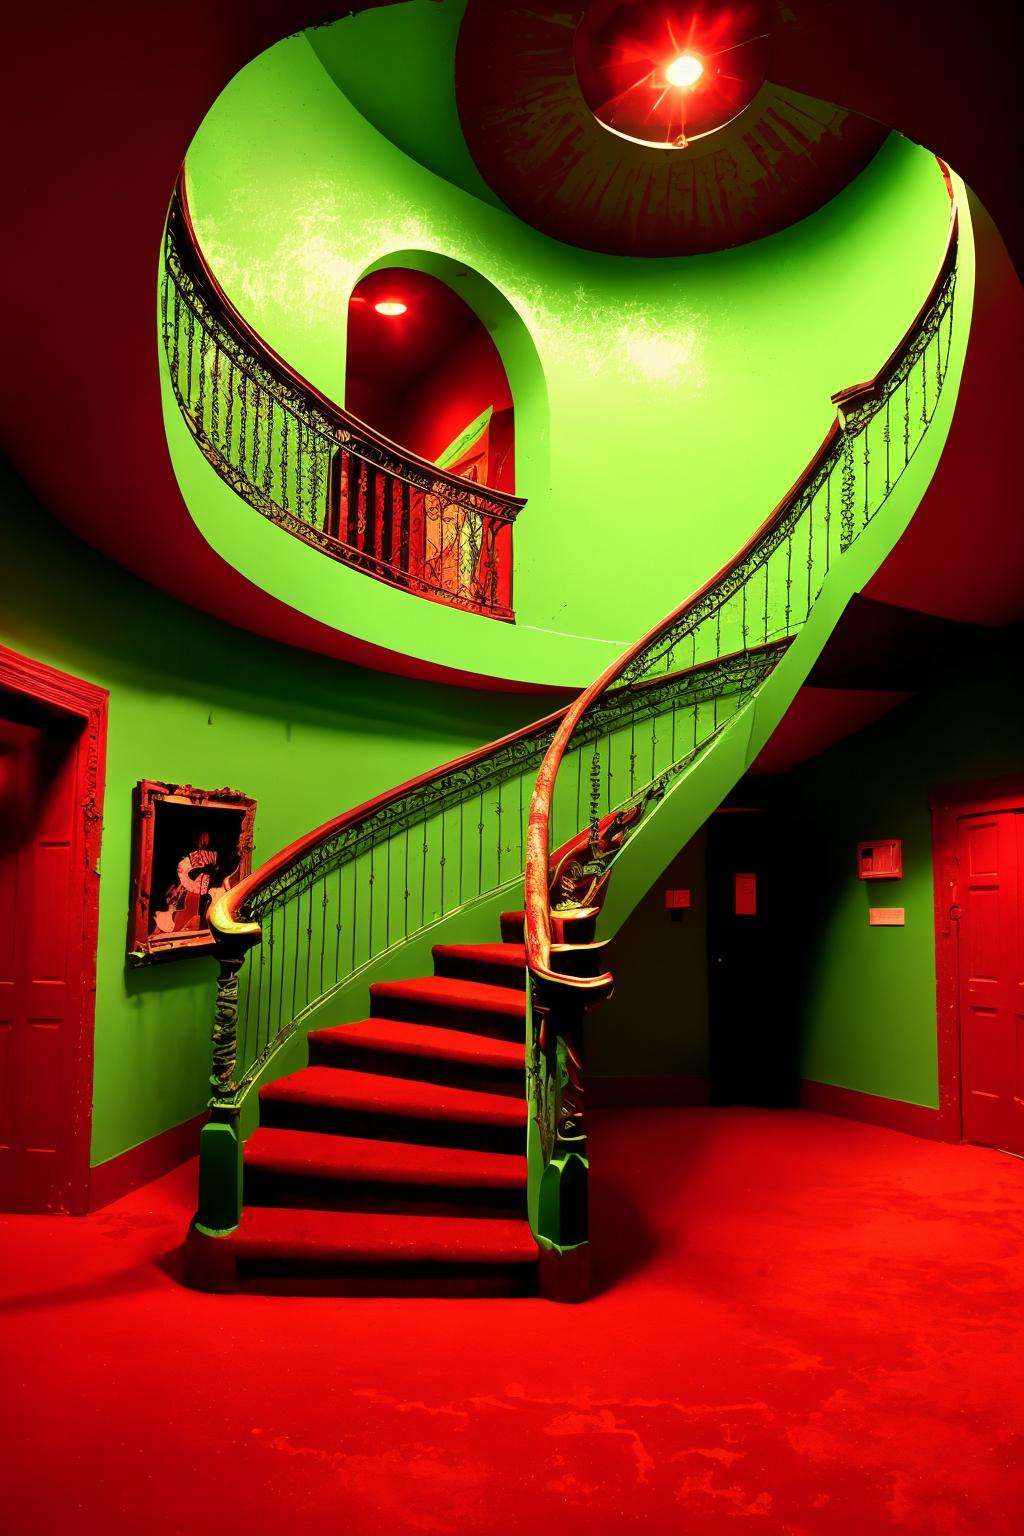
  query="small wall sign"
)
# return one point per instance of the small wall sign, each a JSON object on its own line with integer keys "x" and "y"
{"x": 886, "y": 917}
{"x": 677, "y": 901}
{"x": 745, "y": 895}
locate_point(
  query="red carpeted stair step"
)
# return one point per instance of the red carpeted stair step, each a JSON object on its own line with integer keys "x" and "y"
{"x": 395, "y": 1108}
{"x": 575, "y": 927}
{"x": 311, "y": 1169}
{"x": 345, "y": 1249}
{"x": 454, "y": 1003}
{"x": 398, "y": 1048}
{"x": 504, "y": 965}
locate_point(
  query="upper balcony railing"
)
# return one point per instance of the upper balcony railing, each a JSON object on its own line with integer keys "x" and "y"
{"x": 314, "y": 469}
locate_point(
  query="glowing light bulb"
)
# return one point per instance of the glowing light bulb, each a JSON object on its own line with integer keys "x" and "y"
{"x": 685, "y": 71}
{"x": 391, "y": 307}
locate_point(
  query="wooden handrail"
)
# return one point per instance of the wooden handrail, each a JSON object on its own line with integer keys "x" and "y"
{"x": 538, "y": 850}
{"x": 504, "y": 502}
{"x": 225, "y": 914}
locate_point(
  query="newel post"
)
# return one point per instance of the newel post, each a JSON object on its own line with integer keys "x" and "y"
{"x": 220, "y": 1143}
{"x": 562, "y": 1202}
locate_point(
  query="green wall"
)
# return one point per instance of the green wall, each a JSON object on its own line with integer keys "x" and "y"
{"x": 656, "y": 1022}
{"x": 195, "y": 701}
{"x": 866, "y": 996}
{"x": 683, "y": 396}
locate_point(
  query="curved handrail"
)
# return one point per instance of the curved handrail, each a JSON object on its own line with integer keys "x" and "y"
{"x": 854, "y": 408}
{"x": 313, "y": 467}
{"x": 379, "y": 874}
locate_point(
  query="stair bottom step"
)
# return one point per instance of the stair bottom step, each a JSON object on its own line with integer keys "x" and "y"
{"x": 456, "y": 1281}
{"x": 331, "y": 1194}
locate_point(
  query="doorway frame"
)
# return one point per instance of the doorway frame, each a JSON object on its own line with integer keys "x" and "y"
{"x": 86, "y": 705}
{"x": 947, "y": 803}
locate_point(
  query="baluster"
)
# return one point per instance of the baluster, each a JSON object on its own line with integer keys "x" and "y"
{"x": 229, "y": 420}
{"x": 462, "y": 849}
{"x": 632, "y": 749}
{"x": 355, "y": 908}
{"x": 285, "y": 414}
{"x": 789, "y": 580}
{"x": 423, "y": 873}
{"x": 353, "y": 494}
{"x": 828, "y": 519}
{"x": 498, "y": 814}
{"x": 407, "y": 890}
{"x": 887, "y": 440}
{"x": 387, "y": 551}
{"x": 323, "y": 931}
{"x": 480, "y": 844}
{"x": 846, "y": 495}
{"x": 906, "y": 421}
{"x": 372, "y": 881}
{"x": 215, "y": 395}
{"x": 204, "y": 342}
{"x": 176, "y": 341}
{"x": 337, "y": 926}
{"x": 191, "y": 346}
{"x": 810, "y": 552}
{"x": 867, "y": 460}
{"x": 403, "y": 547}
{"x": 268, "y": 467}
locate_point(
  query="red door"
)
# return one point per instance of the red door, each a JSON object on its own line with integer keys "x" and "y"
{"x": 990, "y": 870}
{"x": 40, "y": 957}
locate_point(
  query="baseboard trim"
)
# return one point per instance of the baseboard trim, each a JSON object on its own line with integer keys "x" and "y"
{"x": 140, "y": 1165}
{"x": 646, "y": 1092}
{"x": 894, "y": 1114}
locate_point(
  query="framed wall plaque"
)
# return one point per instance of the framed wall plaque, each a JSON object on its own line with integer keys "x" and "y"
{"x": 188, "y": 845}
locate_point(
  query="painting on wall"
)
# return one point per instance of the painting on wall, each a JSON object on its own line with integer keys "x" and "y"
{"x": 188, "y": 846}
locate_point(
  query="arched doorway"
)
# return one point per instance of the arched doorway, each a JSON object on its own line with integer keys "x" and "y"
{"x": 423, "y": 369}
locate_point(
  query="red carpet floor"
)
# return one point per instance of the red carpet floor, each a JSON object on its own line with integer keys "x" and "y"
{"x": 807, "y": 1327}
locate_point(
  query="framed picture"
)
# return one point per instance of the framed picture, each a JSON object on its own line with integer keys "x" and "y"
{"x": 188, "y": 845}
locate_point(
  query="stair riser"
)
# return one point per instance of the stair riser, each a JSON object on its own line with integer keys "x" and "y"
{"x": 291, "y": 1279}
{"x": 509, "y": 1081}
{"x": 580, "y": 930}
{"x": 385, "y": 1126}
{"x": 466, "y": 968}
{"x": 306, "y": 1192}
{"x": 474, "y": 1021}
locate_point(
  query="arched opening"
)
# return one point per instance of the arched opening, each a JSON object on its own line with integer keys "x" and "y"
{"x": 423, "y": 369}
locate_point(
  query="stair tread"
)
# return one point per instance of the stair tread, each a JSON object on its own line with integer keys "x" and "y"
{"x": 426, "y": 1041}
{"x": 452, "y": 992}
{"x": 319, "y": 1154}
{"x": 511, "y": 955}
{"x": 342, "y": 1089}
{"x": 357, "y": 1237}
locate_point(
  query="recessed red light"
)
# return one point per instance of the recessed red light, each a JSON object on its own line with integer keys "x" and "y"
{"x": 391, "y": 307}
{"x": 685, "y": 71}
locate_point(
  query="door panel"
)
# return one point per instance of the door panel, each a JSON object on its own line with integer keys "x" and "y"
{"x": 39, "y": 959}
{"x": 989, "y": 853}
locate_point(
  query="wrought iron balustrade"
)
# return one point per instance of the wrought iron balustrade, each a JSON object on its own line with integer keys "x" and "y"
{"x": 314, "y": 469}
{"x": 741, "y": 621}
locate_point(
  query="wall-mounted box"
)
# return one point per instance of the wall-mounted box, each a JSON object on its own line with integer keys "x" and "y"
{"x": 745, "y": 895}
{"x": 881, "y": 859}
{"x": 886, "y": 917}
{"x": 677, "y": 901}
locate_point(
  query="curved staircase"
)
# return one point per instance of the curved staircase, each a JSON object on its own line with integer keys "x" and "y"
{"x": 439, "y": 1145}
{"x": 397, "y": 1156}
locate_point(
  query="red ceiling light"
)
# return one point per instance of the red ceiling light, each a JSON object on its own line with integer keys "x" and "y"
{"x": 666, "y": 72}
{"x": 391, "y": 307}
{"x": 684, "y": 72}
